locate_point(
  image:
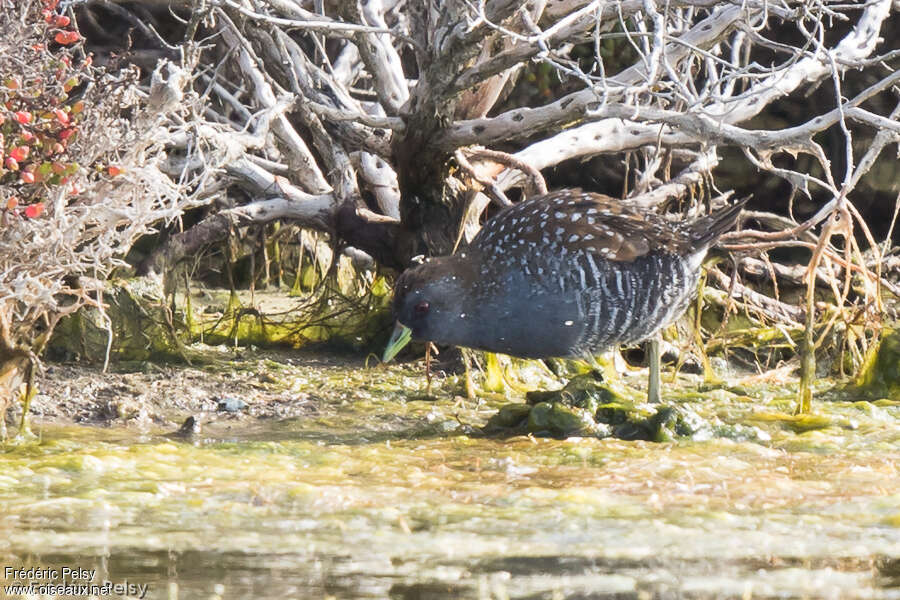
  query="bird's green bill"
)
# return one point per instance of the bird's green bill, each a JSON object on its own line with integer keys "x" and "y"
{"x": 399, "y": 339}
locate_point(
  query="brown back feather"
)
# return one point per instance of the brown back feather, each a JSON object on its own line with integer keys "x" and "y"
{"x": 581, "y": 221}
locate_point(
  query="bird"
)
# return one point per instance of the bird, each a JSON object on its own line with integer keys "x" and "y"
{"x": 567, "y": 274}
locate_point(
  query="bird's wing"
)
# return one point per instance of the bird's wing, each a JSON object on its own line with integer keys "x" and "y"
{"x": 579, "y": 221}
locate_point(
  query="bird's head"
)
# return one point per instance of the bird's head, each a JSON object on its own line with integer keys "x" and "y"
{"x": 428, "y": 302}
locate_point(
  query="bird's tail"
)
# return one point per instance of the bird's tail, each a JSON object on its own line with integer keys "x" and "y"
{"x": 706, "y": 230}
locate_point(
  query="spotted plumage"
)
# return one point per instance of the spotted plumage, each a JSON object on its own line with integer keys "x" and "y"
{"x": 568, "y": 273}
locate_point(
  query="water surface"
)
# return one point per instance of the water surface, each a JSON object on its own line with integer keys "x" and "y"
{"x": 377, "y": 495}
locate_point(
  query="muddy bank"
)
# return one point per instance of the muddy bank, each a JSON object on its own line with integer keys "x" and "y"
{"x": 148, "y": 396}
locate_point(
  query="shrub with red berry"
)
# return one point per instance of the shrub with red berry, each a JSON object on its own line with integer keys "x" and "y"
{"x": 80, "y": 175}
{"x": 42, "y": 108}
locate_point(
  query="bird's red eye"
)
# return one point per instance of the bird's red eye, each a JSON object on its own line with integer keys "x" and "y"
{"x": 421, "y": 309}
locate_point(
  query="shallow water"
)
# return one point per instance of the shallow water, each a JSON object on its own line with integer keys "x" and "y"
{"x": 377, "y": 496}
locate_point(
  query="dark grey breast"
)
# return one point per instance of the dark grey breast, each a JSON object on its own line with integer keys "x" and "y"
{"x": 568, "y": 273}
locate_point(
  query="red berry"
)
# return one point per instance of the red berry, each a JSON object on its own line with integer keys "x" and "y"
{"x": 11, "y": 163}
{"x": 19, "y": 153}
{"x": 66, "y": 133}
{"x": 23, "y": 117}
{"x": 61, "y": 21}
{"x": 12, "y": 203}
{"x": 27, "y": 177}
{"x": 27, "y": 136}
{"x": 33, "y": 211}
{"x": 61, "y": 116}
{"x": 67, "y": 37}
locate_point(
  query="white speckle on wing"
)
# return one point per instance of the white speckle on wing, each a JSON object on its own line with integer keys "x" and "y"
{"x": 569, "y": 323}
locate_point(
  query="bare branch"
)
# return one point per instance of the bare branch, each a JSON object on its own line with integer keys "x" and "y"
{"x": 299, "y": 156}
{"x": 380, "y": 57}
{"x": 592, "y": 103}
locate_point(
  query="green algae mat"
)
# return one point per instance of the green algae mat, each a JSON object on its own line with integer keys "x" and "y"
{"x": 372, "y": 488}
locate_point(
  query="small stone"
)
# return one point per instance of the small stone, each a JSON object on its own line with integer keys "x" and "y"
{"x": 558, "y": 420}
{"x": 510, "y": 416}
{"x": 231, "y": 405}
{"x": 880, "y": 375}
{"x": 188, "y": 429}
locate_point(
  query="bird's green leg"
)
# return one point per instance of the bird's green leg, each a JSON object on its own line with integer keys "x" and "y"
{"x": 470, "y": 385}
{"x": 653, "y": 387}
{"x": 493, "y": 373}
{"x": 428, "y": 347}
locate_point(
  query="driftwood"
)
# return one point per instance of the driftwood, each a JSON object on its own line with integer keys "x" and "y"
{"x": 312, "y": 106}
